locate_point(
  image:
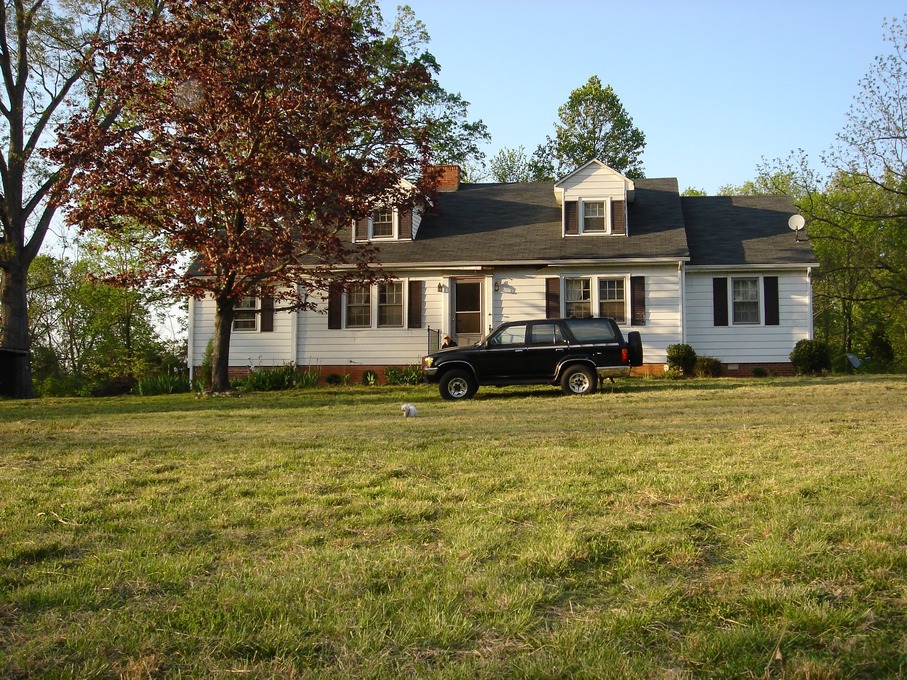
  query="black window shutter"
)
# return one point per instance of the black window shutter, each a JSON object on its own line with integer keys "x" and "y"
{"x": 719, "y": 300}
{"x": 552, "y": 298}
{"x": 414, "y": 310}
{"x": 335, "y": 306}
{"x": 637, "y": 300}
{"x": 571, "y": 217}
{"x": 267, "y": 312}
{"x": 772, "y": 311}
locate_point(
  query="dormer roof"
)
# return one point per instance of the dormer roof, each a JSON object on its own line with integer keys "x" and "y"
{"x": 594, "y": 178}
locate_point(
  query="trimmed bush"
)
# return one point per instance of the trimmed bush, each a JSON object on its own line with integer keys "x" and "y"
{"x": 811, "y": 357}
{"x": 708, "y": 367}
{"x": 682, "y": 357}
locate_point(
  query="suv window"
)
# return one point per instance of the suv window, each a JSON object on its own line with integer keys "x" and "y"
{"x": 546, "y": 334}
{"x": 591, "y": 330}
{"x": 512, "y": 335}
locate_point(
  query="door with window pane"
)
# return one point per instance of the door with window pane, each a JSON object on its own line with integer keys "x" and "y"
{"x": 467, "y": 311}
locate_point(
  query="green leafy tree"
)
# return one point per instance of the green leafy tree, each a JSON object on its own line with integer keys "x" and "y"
{"x": 453, "y": 137}
{"x": 257, "y": 131}
{"x": 592, "y": 124}
{"x": 87, "y": 334}
{"x": 511, "y": 165}
{"x": 49, "y": 55}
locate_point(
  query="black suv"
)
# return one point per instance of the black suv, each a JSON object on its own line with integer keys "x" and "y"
{"x": 572, "y": 353}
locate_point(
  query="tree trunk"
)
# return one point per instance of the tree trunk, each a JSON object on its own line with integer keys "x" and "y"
{"x": 14, "y": 330}
{"x": 220, "y": 351}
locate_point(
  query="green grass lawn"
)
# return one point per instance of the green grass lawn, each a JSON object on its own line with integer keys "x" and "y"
{"x": 723, "y": 528}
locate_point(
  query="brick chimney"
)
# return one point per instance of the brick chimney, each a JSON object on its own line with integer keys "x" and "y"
{"x": 448, "y": 177}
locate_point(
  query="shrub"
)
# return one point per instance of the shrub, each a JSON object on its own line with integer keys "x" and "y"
{"x": 336, "y": 380}
{"x": 708, "y": 367}
{"x": 265, "y": 379}
{"x": 308, "y": 378}
{"x": 205, "y": 370}
{"x": 370, "y": 378}
{"x": 410, "y": 375}
{"x": 163, "y": 383}
{"x": 681, "y": 357}
{"x": 811, "y": 357}
{"x": 760, "y": 372}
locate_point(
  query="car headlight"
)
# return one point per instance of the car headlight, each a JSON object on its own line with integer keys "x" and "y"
{"x": 427, "y": 362}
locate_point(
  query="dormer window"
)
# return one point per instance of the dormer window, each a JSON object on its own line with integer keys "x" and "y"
{"x": 594, "y": 199}
{"x": 386, "y": 224}
{"x": 595, "y": 217}
{"x": 383, "y": 224}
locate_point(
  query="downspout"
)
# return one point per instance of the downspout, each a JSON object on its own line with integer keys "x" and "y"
{"x": 809, "y": 292}
{"x": 682, "y": 278}
{"x": 294, "y": 334}
{"x": 190, "y": 355}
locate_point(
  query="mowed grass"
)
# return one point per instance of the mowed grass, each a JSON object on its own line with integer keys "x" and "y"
{"x": 724, "y": 528}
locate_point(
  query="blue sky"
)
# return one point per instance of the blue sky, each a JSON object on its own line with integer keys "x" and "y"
{"x": 716, "y": 86}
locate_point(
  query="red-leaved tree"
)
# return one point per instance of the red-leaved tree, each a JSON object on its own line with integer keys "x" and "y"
{"x": 251, "y": 132}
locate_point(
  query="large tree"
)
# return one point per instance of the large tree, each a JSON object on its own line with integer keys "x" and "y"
{"x": 592, "y": 124}
{"x": 856, "y": 208}
{"x": 48, "y": 50}
{"x": 87, "y": 334}
{"x": 253, "y": 132}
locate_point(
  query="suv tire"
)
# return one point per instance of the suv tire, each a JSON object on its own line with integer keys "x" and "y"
{"x": 579, "y": 379}
{"x": 457, "y": 384}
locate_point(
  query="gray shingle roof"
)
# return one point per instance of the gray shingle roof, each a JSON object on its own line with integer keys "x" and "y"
{"x": 501, "y": 223}
{"x": 743, "y": 230}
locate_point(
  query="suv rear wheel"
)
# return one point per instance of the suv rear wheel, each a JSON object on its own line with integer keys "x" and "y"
{"x": 579, "y": 379}
{"x": 457, "y": 384}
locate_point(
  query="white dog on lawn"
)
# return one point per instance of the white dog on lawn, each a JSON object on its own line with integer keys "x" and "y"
{"x": 409, "y": 411}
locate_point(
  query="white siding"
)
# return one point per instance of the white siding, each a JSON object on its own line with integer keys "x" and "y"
{"x": 317, "y": 345}
{"x": 595, "y": 181}
{"x": 742, "y": 343}
{"x": 247, "y": 348}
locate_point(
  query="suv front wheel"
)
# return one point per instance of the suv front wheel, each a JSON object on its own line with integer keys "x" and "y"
{"x": 457, "y": 384}
{"x": 579, "y": 379}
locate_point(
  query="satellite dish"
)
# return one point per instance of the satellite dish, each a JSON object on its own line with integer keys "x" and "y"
{"x": 796, "y": 222}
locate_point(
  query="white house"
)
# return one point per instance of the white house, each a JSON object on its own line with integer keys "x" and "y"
{"x": 725, "y": 275}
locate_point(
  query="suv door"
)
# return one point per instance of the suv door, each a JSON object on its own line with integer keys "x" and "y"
{"x": 546, "y": 348}
{"x": 503, "y": 356}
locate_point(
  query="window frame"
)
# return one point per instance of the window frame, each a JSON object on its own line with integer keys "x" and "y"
{"x": 753, "y": 305}
{"x": 623, "y": 301}
{"x": 349, "y": 305}
{"x": 394, "y": 225}
{"x": 384, "y": 306}
{"x": 245, "y": 313}
{"x": 605, "y": 202}
{"x": 568, "y": 301}
{"x": 374, "y": 308}
{"x": 595, "y": 297}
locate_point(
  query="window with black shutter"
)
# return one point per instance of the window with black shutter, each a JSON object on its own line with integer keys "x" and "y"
{"x": 637, "y": 300}
{"x": 414, "y": 304}
{"x": 772, "y": 308}
{"x": 552, "y": 298}
{"x": 719, "y": 301}
{"x": 335, "y": 306}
